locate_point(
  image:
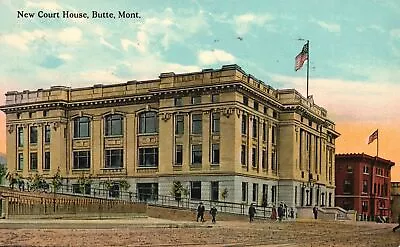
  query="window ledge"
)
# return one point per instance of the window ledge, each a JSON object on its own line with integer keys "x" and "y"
{"x": 81, "y": 138}
{"x": 148, "y": 134}
{"x": 114, "y": 136}
{"x": 80, "y": 169}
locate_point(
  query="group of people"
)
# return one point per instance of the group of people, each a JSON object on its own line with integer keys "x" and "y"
{"x": 200, "y": 213}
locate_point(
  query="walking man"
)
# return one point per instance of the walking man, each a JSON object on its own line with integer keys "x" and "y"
{"x": 200, "y": 212}
{"x": 280, "y": 212}
{"x": 252, "y": 212}
{"x": 315, "y": 212}
{"x": 213, "y": 212}
{"x": 398, "y": 226}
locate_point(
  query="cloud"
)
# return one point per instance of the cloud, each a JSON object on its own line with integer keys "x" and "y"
{"x": 376, "y": 28}
{"x": 395, "y": 33}
{"x": 350, "y": 100}
{"x": 70, "y": 35}
{"x": 215, "y": 56}
{"x": 65, "y": 56}
{"x": 330, "y": 27}
{"x": 104, "y": 42}
{"x": 243, "y": 22}
{"x": 44, "y": 5}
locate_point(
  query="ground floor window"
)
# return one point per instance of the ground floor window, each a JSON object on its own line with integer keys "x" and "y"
{"x": 114, "y": 158}
{"x": 195, "y": 190}
{"x": 244, "y": 191}
{"x": 81, "y": 189}
{"x": 81, "y": 160}
{"x": 114, "y": 190}
{"x": 147, "y": 191}
{"x": 214, "y": 191}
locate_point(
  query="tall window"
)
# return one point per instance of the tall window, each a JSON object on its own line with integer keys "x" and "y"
{"x": 255, "y": 128}
{"x": 254, "y": 157}
{"x": 114, "y": 124}
{"x": 81, "y": 160}
{"x": 214, "y": 191}
{"x": 114, "y": 158}
{"x": 264, "y": 132}
{"x": 178, "y": 101}
{"x": 244, "y": 191}
{"x": 148, "y": 122}
{"x": 47, "y": 133}
{"x": 255, "y": 193}
{"x": 196, "y": 124}
{"x": 33, "y": 162}
{"x": 245, "y": 100}
{"x": 215, "y": 154}
{"x": 273, "y": 193}
{"x": 20, "y": 161}
{"x": 179, "y": 155}
{"x": 347, "y": 188}
{"x": 195, "y": 190}
{"x": 179, "y": 124}
{"x": 81, "y": 127}
{"x": 243, "y": 155}
{"x": 264, "y": 159}
{"x": 196, "y": 100}
{"x": 20, "y": 136}
{"x": 215, "y": 122}
{"x": 196, "y": 154}
{"x": 265, "y": 195}
{"x": 274, "y": 160}
{"x": 256, "y": 106}
{"x": 148, "y": 157}
{"x": 365, "y": 186}
{"x": 244, "y": 124}
{"x": 33, "y": 135}
{"x": 46, "y": 163}
{"x": 273, "y": 135}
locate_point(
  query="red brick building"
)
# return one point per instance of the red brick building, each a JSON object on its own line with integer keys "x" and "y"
{"x": 363, "y": 184}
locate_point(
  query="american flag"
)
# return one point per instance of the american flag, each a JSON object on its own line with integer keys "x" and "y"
{"x": 373, "y": 136}
{"x": 301, "y": 58}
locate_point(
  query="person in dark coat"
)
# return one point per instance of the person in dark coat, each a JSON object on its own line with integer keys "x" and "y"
{"x": 315, "y": 212}
{"x": 213, "y": 212}
{"x": 252, "y": 212}
{"x": 398, "y": 221}
{"x": 280, "y": 212}
{"x": 200, "y": 212}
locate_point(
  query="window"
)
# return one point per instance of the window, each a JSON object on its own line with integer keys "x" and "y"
{"x": 366, "y": 170}
{"x": 245, "y": 100}
{"x": 20, "y": 161}
{"x": 215, "y": 122}
{"x": 264, "y": 132}
{"x": 178, "y": 101}
{"x": 33, "y": 161}
{"x": 81, "y": 160}
{"x": 215, "y": 98}
{"x": 214, "y": 191}
{"x": 265, "y": 195}
{"x": 244, "y": 124}
{"x": 264, "y": 159}
{"x": 113, "y": 125}
{"x": 256, "y": 106}
{"x": 30, "y": 114}
{"x": 347, "y": 188}
{"x": 349, "y": 169}
{"x": 147, "y": 191}
{"x": 45, "y": 113}
{"x": 179, "y": 155}
{"x": 243, "y": 155}
{"x": 215, "y": 154}
{"x": 47, "y": 133}
{"x": 81, "y": 189}
{"x": 254, "y": 157}
{"x": 196, "y": 124}
{"x": 46, "y": 165}
{"x": 255, "y": 193}
{"x": 148, "y": 157}
{"x": 148, "y": 122}
{"x": 114, "y": 191}
{"x": 364, "y": 206}
{"x": 196, "y": 154}
{"x": 195, "y": 190}
{"x": 179, "y": 124}
{"x": 365, "y": 186}
{"x": 81, "y": 127}
{"x": 244, "y": 192}
{"x": 274, "y": 160}
{"x": 273, "y": 134}
{"x": 20, "y": 136}
{"x": 33, "y": 135}
{"x": 295, "y": 197}
{"x": 114, "y": 158}
{"x": 273, "y": 193}
{"x": 254, "y": 128}
{"x": 265, "y": 110}
{"x": 196, "y": 100}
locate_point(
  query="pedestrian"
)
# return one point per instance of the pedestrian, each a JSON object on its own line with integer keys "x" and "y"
{"x": 252, "y": 212}
{"x": 291, "y": 213}
{"x": 315, "y": 212}
{"x": 398, "y": 221}
{"x": 200, "y": 212}
{"x": 213, "y": 212}
{"x": 273, "y": 213}
{"x": 280, "y": 212}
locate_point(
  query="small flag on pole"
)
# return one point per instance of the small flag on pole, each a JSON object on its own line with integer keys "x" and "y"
{"x": 373, "y": 136}
{"x": 301, "y": 58}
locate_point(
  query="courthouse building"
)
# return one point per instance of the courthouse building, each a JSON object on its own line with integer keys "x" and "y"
{"x": 215, "y": 130}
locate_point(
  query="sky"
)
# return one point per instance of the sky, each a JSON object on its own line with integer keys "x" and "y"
{"x": 354, "y": 52}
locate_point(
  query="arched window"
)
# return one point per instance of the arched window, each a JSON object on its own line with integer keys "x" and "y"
{"x": 81, "y": 127}
{"x": 148, "y": 122}
{"x": 113, "y": 125}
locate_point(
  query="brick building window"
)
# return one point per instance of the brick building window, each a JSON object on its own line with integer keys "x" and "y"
{"x": 47, "y": 133}
{"x": 196, "y": 124}
{"x": 33, "y": 135}
{"x": 81, "y": 127}
{"x": 148, "y": 123}
{"x": 196, "y": 154}
{"x": 365, "y": 186}
{"x": 114, "y": 125}
{"x": 33, "y": 162}
{"x": 179, "y": 125}
{"x": 195, "y": 190}
{"x": 114, "y": 158}
{"x": 347, "y": 187}
{"x": 148, "y": 157}
{"x": 81, "y": 160}
{"x": 46, "y": 165}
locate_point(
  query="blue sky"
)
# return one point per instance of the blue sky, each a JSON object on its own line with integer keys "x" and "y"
{"x": 354, "y": 49}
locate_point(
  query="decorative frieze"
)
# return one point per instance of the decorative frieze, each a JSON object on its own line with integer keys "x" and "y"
{"x": 148, "y": 140}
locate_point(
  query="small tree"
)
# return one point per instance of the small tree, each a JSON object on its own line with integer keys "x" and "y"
{"x": 85, "y": 183}
{"x": 225, "y": 194}
{"x": 39, "y": 183}
{"x": 56, "y": 181}
{"x": 124, "y": 185}
{"x": 178, "y": 190}
{"x": 3, "y": 172}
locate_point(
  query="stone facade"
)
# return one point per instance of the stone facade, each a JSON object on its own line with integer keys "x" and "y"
{"x": 212, "y": 130}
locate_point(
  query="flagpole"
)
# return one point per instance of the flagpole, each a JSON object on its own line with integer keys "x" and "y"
{"x": 377, "y": 143}
{"x": 308, "y": 64}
